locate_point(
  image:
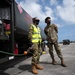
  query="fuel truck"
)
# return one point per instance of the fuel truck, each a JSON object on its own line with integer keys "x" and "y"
{"x": 14, "y": 27}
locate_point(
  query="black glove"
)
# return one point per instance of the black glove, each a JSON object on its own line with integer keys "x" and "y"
{"x": 43, "y": 39}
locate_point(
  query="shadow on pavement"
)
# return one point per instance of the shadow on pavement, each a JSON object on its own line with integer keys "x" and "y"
{"x": 45, "y": 62}
{"x": 11, "y": 63}
{"x": 2, "y": 73}
{"x": 25, "y": 67}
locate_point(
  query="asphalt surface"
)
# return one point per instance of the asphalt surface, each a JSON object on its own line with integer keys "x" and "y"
{"x": 22, "y": 65}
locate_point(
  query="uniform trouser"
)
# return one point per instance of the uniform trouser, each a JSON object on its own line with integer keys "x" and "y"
{"x": 57, "y": 48}
{"x": 36, "y": 53}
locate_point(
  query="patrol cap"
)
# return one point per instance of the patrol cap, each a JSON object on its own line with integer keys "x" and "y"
{"x": 47, "y": 19}
{"x": 35, "y": 19}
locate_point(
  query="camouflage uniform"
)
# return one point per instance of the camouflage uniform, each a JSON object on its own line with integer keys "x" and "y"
{"x": 52, "y": 38}
{"x": 36, "y": 48}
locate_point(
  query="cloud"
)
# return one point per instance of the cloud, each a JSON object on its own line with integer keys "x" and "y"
{"x": 53, "y": 2}
{"x": 43, "y": 1}
{"x": 37, "y": 10}
{"x": 67, "y": 11}
{"x": 58, "y": 25}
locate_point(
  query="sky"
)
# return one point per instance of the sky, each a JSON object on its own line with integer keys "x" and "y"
{"x": 62, "y": 13}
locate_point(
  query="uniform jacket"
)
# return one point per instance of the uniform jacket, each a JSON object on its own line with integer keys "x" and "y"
{"x": 51, "y": 33}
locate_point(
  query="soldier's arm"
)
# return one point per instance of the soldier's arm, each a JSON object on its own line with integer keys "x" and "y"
{"x": 45, "y": 31}
{"x": 40, "y": 32}
{"x": 56, "y": 28}
{"x": 30, "y": 32}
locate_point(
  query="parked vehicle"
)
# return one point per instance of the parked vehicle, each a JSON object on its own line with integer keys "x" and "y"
{"x": 66, "y": 42}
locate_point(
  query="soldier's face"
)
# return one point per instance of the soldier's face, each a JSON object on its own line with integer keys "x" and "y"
{"x": 49, "y": 21}
{"x": 37, "y": 21}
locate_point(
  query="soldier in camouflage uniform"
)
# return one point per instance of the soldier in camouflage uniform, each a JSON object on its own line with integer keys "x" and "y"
{"x": 51, "y": 31}
{"x": 35, "y": 38}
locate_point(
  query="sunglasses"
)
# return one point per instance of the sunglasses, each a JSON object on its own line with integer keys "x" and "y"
{"x": 37, "y": 20}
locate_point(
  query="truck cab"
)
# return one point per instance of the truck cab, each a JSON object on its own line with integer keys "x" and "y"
{"x": 66, "y": 42}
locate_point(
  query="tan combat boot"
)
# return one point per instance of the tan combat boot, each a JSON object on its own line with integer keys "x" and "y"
{"x": 62, "y": 63}
{"x": 34, "y": 70}
{"x": 53, "y": 61}
{"x": 39, "y": 67}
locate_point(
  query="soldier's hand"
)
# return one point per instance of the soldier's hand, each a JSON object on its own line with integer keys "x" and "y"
{"x": 53, "y": 40}
{"x": 43, "y": 39}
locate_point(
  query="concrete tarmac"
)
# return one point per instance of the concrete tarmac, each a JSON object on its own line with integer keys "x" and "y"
{"x": 23, "y": 67}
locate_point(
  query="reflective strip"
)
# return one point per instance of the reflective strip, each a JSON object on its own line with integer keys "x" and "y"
{"x": 36, "y": 32}
{"x": 34, "y": 41}
{"x": 36, "y": 38}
